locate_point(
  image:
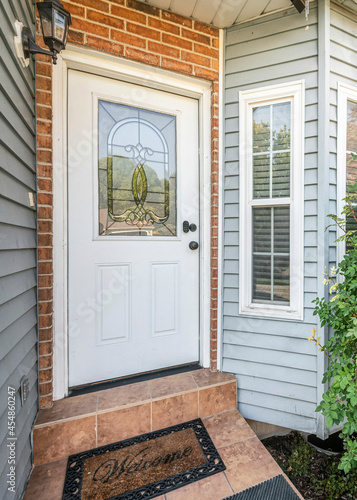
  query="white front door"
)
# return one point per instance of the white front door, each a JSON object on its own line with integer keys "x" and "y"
{"x": 133, "y": 180}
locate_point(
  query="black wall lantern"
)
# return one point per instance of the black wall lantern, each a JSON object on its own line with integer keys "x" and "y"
{"x": 55, "y": 22}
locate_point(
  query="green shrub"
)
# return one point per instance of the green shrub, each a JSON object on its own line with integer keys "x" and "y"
{"x": 299, "y": 461}
{"x": 321, "y": 472}
{"x": 336, "y": 484}
{"x": 339, "y": 403}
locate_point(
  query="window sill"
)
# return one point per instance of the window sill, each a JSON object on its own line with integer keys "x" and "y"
{"x": 275, "y": 312}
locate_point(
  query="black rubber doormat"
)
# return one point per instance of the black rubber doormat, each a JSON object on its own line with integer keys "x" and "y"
{"x": 143, "y": 467}
{"x": 276, "y": 488}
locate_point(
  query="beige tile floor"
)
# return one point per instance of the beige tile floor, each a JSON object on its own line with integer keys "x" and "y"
{"x": 246, "y": 459}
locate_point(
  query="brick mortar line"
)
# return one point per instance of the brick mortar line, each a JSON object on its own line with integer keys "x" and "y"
{"x": 149, "y": 27}
{"x": 135, "y": 35}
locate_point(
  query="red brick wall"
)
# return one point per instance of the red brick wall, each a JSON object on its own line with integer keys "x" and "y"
{"x": 136, "y": 31}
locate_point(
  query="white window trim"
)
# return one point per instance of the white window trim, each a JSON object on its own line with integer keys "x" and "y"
{"x": 294, "y": 91}
{"x": 344, "y": 93}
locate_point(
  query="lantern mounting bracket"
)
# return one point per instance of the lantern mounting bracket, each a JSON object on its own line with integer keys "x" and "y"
{"x": 30, "y": 47}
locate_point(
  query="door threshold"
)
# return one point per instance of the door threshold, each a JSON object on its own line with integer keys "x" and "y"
{"x": 132, "y": 379}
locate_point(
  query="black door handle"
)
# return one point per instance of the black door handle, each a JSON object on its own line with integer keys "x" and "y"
{"x": 186, "y": 227}
{"x": 193, "y": 245}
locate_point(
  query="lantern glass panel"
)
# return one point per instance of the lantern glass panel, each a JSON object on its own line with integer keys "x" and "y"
{"x": 46, "y": 20}
{"x": 59, "y": 25}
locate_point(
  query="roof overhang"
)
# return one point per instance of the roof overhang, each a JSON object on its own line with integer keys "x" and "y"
{"x": 225, "y": 13}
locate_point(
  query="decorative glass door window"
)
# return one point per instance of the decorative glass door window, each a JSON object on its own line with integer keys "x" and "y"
{"x": 137, "y": 171}
{"x": 270, "y": 223}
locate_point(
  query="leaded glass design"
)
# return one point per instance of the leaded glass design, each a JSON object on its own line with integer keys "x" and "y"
{"x": 137, "y": 171}
{"x": 271, "y": 255}
{"x": 271, "y": 150}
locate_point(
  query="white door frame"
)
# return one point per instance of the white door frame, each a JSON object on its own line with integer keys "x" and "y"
{"x": 157, "y": 78}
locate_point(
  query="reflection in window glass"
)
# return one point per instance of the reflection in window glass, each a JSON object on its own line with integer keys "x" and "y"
{"x": 271, "y": 255}
{"x": 351, "y": 164}
{"x": 271, "y": 150}
{"x": 137, "y": 171}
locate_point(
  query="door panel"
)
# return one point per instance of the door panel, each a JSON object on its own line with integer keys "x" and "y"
{"x": 133, "y": 179}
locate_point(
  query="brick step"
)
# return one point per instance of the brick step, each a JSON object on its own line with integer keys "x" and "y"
{"x": 84, "y": 422}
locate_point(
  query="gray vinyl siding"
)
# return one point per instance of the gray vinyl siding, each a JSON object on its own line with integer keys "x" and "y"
{"x": 343, "y": 69}
{"x": 275, "y": 365}
{"x": 18, "y": 287}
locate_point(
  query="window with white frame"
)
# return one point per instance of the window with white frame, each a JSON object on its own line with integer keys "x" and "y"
{"x": 271, "y": 201}
{"x": 347, "y": 144}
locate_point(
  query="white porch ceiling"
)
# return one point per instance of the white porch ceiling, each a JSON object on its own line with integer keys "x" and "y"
{"x": 221, "y": 13}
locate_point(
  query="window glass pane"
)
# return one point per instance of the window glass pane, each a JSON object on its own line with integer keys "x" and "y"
{"x": 282, "y": 230}
{"x": 262, "y": 230}
{"x": 271, "y": 255}
{"x": 137, "y": 171}
{"x": 352, "y": 126}
{"x": 351, "y": 164}
{"x": 261, "y": 129}
{"x": 281, "y": 175}
{"x": 281, "y": 279}
{"x": 281, "y": 126}
{"x": 261, "y": 176}
{"x": 271, "y": 151}
{"x": 261, "y": 278}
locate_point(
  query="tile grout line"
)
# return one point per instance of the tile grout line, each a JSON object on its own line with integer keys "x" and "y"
{"x": 96, "y": 423}
{"x": 150, "y": 396}
{"x": 224, "y": 472}
{"x": 225, "y": 411}
{"x": 96, "y": 430}
{"x": 237, "y": 442}
{"x": 194, "y": 381}
{"x": 148, "y": 386}
{"x": 198, "y": 402}
{"x": 217, "y": 384}
{"x": 64, "y": 420}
